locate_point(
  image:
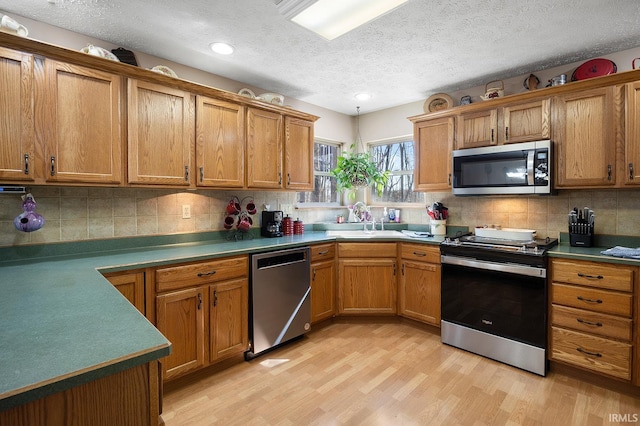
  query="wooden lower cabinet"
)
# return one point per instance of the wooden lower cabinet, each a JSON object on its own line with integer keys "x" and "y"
{"x": 323, "y": 282}
{"x": 205, "y": 323}
{"x": 591, "y": 316}
{"x": 419, "y": 283}
{"x": 129, "y": 397}
{"x": 367, "y": 278}
{"x": 131, "y": 285}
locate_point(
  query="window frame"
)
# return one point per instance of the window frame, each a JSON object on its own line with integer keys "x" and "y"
{"x": 370, "y": 192}
{"x": 340, "y": 203}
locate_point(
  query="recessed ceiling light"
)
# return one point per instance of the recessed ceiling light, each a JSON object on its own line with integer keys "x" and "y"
{"x": 221, "y": 48}
{"x": 363, "y": 96}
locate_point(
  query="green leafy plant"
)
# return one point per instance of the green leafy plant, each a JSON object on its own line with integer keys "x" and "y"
{"x": 357, "y": 170}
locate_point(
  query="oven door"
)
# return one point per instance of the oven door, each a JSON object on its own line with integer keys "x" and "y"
{"x": 505, "y": 300}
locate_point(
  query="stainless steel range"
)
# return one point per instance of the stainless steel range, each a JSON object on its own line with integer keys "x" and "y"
{"x": 494, "y": 297}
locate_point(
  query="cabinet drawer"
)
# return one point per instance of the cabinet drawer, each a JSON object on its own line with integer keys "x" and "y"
{"x": 321, "y": 252}
{"x": 608, "y": 302}
{"x": 590, "y": 352}
{"x": 613, "y": 277}
{"x": 420, "y": 253}
{"x": 592, "y": 322}
{"x": 202, "y": 272}
{"x": 367, "y": 250}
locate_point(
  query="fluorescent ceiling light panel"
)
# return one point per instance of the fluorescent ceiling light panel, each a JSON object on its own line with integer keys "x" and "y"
{"x": 333, "y": 18}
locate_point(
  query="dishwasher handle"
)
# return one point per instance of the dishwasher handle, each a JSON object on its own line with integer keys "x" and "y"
{"x": 281, "y": 258}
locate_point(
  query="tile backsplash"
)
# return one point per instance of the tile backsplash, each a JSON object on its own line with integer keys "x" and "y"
{"x": 75, "y": 214}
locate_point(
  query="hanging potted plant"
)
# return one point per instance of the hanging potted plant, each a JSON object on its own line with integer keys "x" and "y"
{"x": 356, "y": 170}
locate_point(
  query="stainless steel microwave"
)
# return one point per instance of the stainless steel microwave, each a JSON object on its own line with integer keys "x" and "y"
{"x": 519, "y": 168}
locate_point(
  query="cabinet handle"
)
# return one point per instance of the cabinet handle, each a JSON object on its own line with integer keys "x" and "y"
{"x": 506, "y": 133}
{"x": 418, "y": 253}
{"x": 215, "y": 297}
{"x": 288, "y": 178}
{"x": 314, "y": 275}
{"x": 280, "y": 178}
{"x": 394, "y": 269}
{"x": 581, "y": 321}
{"x": 53, "y": 165}
{"x": 403, "y": 269}
{"x": 206, "y": 274}
{"x": 201, "y": 174}
{"x": 449, "y": 179}
{"x": 630, "y": 171}
{"x": 583, "y": 299}
{"x": 492, "y": 132}
{"x": 26, "y": 164}
{"x": 199, "y": 301}
{"x": 323, "y": 252}
{"x": 186, "y": 173}
{"x": 596, "y": 354}
{"x": 593, "y": 277}
{"x": 608, "y": 171}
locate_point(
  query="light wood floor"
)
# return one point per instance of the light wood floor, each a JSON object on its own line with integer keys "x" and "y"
{"x": 368, "y": 373}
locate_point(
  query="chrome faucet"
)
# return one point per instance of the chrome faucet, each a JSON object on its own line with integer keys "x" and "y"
{"x": 373, "y": 226}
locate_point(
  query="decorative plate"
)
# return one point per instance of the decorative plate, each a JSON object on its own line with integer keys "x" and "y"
{"x": 99, "y": 52}
{"x": 164, "y": 70}
{"x": 594, "y": 68}
{"x": 438, "y": 102}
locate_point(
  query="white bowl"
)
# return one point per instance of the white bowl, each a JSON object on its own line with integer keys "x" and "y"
{"x": 272, "y": 98}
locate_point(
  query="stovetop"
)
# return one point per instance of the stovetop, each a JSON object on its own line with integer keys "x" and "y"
{"x": 502, "y": 250}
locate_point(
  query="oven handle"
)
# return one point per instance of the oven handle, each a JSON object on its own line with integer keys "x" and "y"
{"x": 510, "y": 268}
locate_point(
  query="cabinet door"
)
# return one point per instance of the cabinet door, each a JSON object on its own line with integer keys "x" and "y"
{"x": 526, "y": 122}
{"x": 82, "y": 124}
{"x": 367, "y": 286}
{"x": 160, "y": 134}
{"x": 433, "y": 145}
{"x": 631, "y": 164}
{"x": 220, "y": 142}
{"x": 419, "y": 291}
{"x": 298, "y": 154}
{"x": 584, "y": 133}
{"x": 181, "y": 316}
{"x": 477, "y": 129}
{"x": 131, "y": 285}
{"x": 229, "y": 319}
{"x": 264, "y": 149}
{"x": 323, "y": 282}
{"x": 16, "y": 116}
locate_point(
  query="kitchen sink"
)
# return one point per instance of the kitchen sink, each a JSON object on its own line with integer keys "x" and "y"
{"x": 365, "y": 234}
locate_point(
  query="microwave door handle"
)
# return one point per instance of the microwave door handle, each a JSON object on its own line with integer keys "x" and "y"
{"x": 530, "y": 163}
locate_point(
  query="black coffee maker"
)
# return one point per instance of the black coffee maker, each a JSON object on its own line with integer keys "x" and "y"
{"x": 272, "y": 223}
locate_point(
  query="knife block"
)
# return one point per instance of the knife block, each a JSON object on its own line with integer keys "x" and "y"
{"x": 581, "y": 240}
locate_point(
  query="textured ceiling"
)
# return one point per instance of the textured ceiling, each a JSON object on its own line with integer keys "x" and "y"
{"x": 421, "y": 48}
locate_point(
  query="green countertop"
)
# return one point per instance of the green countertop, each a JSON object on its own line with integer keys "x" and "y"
{"x": 64, "y": 324}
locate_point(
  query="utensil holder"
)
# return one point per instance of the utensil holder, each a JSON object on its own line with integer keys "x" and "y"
{"x": 438, "y": 227}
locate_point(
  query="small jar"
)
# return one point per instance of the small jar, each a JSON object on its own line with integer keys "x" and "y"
{"x": 298, "y": 227}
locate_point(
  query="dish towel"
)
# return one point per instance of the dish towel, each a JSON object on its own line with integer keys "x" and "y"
{"x": 414, "y": 234}
{"x": 619, "y": 251}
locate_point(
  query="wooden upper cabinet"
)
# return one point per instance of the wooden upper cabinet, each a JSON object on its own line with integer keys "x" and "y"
{"x": 220, "y": 143}
{"x": 631, "y": 164}
{"x": 584, "y": 133}
{"x": 520, "y": 122}
{"x": 477, "y": 129}
{"x": 17, "y": 147}
{"x": 81, "y": 124}
{"x": 161, "y": 134}
{"x": 264, "y": 149}
{"x": 526, "y": 122}
{"x": 433, "y": 145}
{"x": 298, "y": 154}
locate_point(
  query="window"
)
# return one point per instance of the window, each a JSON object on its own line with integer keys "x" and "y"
{"x": 397, "y": 157}
{"x": 325, "y": 159}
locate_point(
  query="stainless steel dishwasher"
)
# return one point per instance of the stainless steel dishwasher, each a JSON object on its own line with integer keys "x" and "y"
{"x": 279, "y": 303}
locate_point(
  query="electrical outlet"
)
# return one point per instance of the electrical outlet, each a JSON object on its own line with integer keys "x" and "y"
{"x": 186, "y": 211}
